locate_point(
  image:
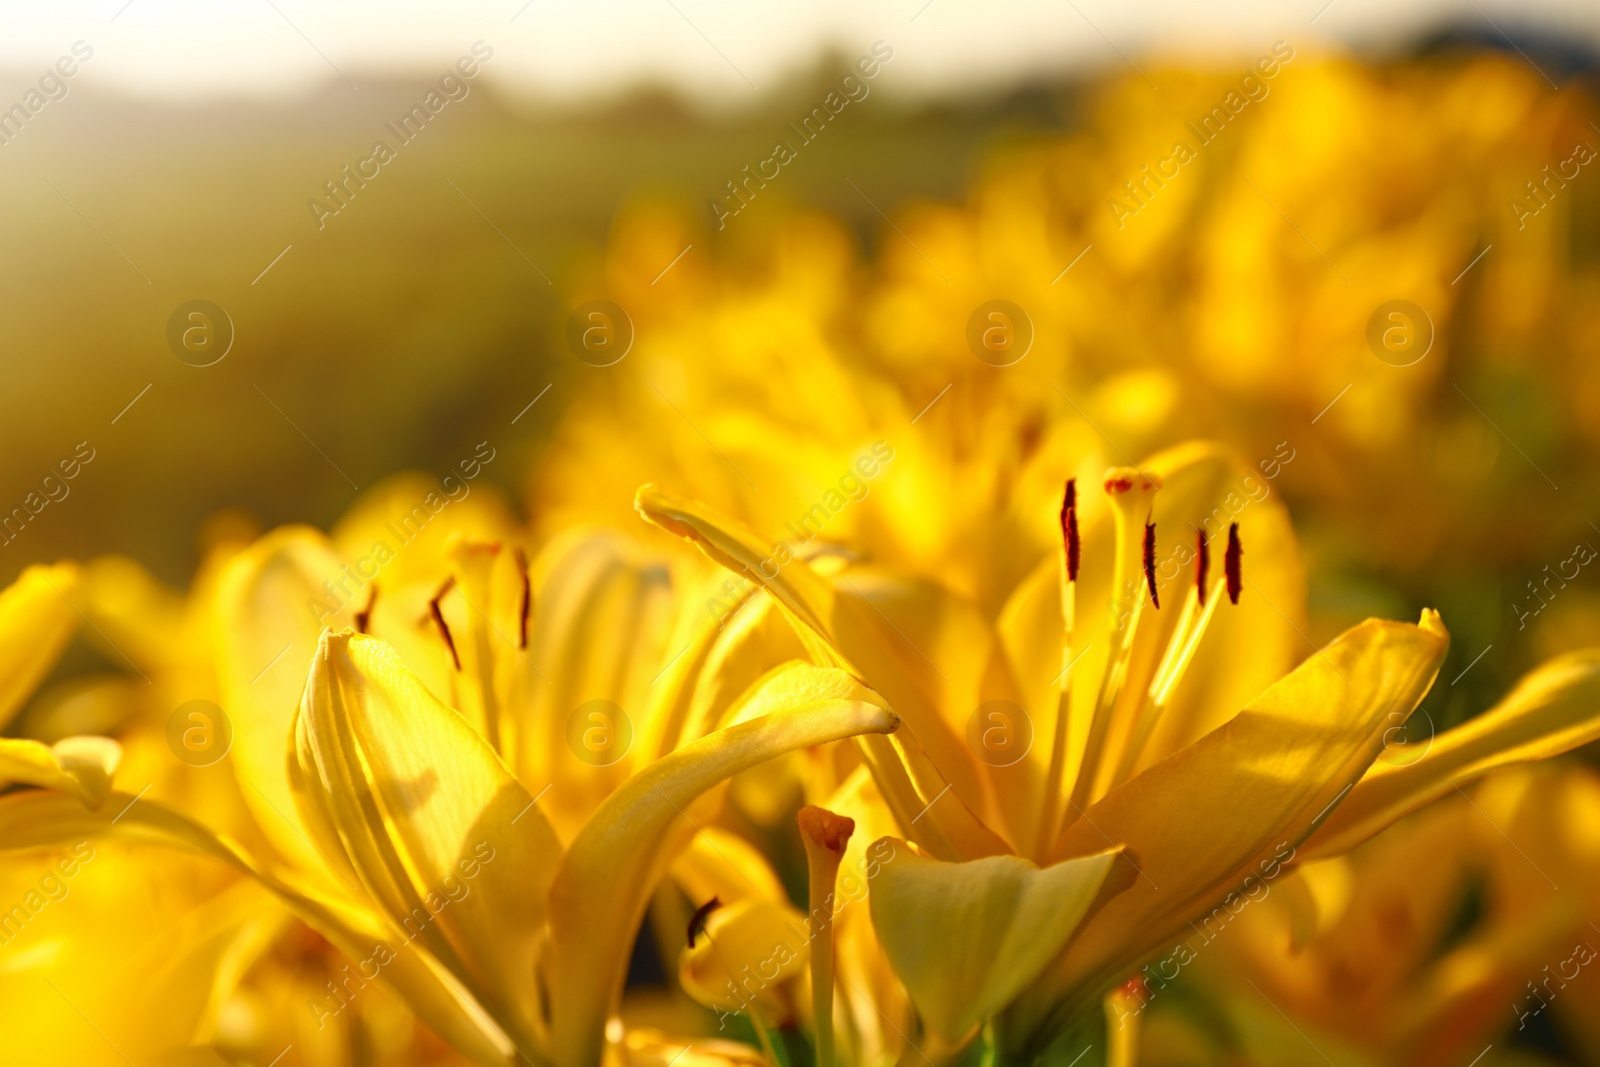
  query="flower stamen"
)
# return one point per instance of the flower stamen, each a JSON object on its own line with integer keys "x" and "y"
{"x": 1181, "y": 648}
{"x": 1150, "y": 563}
{"x": 1233, "y": 564}
{"x": 364, "y": 616}
{"x": 1071, "y": 543}
{"x": 1071, "y": 549}
{"x": 438, "y": 619}
{"x": 526, "y": 608}
{"x": 697, "y": 921}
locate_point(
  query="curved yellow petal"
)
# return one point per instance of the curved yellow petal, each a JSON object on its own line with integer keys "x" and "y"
{"x": 956, "y": 823}
{"x": 1553, "y": 709}
{"x": 412, "y": 798}
{"x": 37, "y": 619}
{"x": 740, "y": 661}
{"x": 846, "y": 622}
{"x": 606, "y": 876}
{"x": 272, "y": 600}
{"x": 597, "y": 632}
{"x": 725, "y": 638}
{"x": 489, "y": 644}
{"x": 717, "y": 863}
{"x": 141, "y": 617}
{"x": 966, "y": 938}
{"x": 34, "y": 819}
{"x": 82, "y": 766}
{"x": 748, "y": 954}
{"x": 793, "y": 684}
{"x": 1234, "y": 804}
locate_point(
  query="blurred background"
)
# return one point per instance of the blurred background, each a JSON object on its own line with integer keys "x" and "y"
{"x": 1411, "y": 154}
{"x": 1357, "y": 241}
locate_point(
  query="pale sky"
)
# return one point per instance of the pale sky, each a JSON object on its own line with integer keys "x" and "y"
{"x": 721, "y": 51}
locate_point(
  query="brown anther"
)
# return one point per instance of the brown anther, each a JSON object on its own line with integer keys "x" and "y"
{"x": 527, "y": 600}
{"x": 1233, "y": 564}
{"x": 438, "y": 619}
{"x": 1202, "y": 564}
{"x": 1069, "y": 529}
{"x": 1119, "y": 484}
{"x": 825, "y": 828}
{"x": 697, "y": 921}
{"x": 1122, "y": 479}
{"x": 1150, "y": 563}
{"x": 364, "y": 616}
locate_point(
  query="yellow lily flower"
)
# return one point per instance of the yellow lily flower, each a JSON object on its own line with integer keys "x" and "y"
{"x": 37, "y": 619}
{"x": 76, "y": 981}
{"x": 402, "y": 835}
{"x": 1197, "y": 803}
{"x": 1452, "y": 931}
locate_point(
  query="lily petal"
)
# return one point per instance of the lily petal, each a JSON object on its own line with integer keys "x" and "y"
{"x": 139, "y": 616}
{"x": 1552, "y": 710}
{"x": 1207, "y": 816}
{"x": 851, "y": 630}
{"x": 717, "y": 863}
{"x": 605, "y": 878}
{"x": 33, "y": 819}
{"x": 445, "y": 840}
{"x": 82, "y": 766}
{"x": 36, "y": 621}
{"x": 748, "y": 936}
{"x": 966, "y": 938}
{"x": 599, "y": 624}
{"x": 794, "y": 684}
{"x": 271, "y": 603}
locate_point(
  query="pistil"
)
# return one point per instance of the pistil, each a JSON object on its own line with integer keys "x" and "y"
{"x": 1132, "y": 494}
{"x": 825, "y": 836}
{"x": 1071, "y": 548}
